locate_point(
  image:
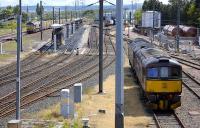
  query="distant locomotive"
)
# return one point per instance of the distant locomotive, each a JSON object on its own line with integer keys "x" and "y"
{"x": 159, "y": 75}
{"x": 32, "y": 27}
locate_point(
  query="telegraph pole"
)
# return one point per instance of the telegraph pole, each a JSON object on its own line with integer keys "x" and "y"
{"x": 20, "y": 11}
{"x": 66, "y": 13}
{"x": 71, "y": 16}
{"x": 53, "y": 15}
{"x": 132, "y": 13}
{"x": 75, "y": 10}
{"x": 27, "y": 13}
{"x": 41, "y": 27}
{"x": 119, "y": 77}
{"x": 153, "y": 20}
{"x": 178, "y": 23}
{"x": 101, "y": 46}
{"x": 19, "y": 42}
{"x": 59, "y": 16}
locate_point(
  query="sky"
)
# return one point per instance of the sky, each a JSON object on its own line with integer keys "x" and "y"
{"x": 61, "y": 2}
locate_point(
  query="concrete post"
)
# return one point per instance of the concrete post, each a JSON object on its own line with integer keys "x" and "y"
{"x": 85, "y": 122}
{"x": 14, "y": 124}
{"x": 55, "y": 44}
{"x": 67, "y": 104}
{"x": 77, "y": 92}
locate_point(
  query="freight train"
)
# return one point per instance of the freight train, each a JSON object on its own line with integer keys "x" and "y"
{"x": 159, "y": 75}
{"x": 32, "y": 27}
{"x": 184, "y": 31}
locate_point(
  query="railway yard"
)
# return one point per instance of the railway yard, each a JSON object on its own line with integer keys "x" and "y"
{"x": 69, "y": 54}
{"x": 45, "y": 73}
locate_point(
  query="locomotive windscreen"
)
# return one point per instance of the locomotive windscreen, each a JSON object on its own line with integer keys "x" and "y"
{"x": 164, "y": 72}
{"x": 152, "y": 72}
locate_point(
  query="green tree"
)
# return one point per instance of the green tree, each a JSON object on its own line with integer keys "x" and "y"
{"x": 16, "y": 9}
{"x": 138, "y": 17}
{"x": 189, "y": 11}
{"x": 7, "y": 12}
{"x": 24, "y": 17}
{"x": 38, "y": 10}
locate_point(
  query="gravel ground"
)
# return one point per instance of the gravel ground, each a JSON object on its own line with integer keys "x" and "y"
{"x": 188, "y": 105}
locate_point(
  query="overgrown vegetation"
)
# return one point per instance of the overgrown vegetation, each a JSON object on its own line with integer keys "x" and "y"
{"x": 138, "y": 17}
{"x": 189, "y": 11}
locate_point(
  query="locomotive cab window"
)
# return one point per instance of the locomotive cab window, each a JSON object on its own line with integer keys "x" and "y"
{"x": 175, "y": 72}
{"x": 152, "y": 72}
{"x": 164, "y": 72}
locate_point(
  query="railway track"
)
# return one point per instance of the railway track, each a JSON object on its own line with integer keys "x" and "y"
{"x": 6, "y": 79}
{"x": 30, "y": 59}
{"x": 191, "y": 84}
{"x": 42, "y": 91}
{"x": 12, "y": 36}
{"x": 81, "y": 71}
{"x": 167, "y": 120}
{"x": 26, "y": 64}
{"x": 36, "y": 85}
{"x": 9, "y": 76}
{"x": 187, "y": 63}
{"x": 189, "y": 81}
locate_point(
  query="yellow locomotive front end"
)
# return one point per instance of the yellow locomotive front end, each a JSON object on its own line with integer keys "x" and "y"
{"x": 163, "y": 86}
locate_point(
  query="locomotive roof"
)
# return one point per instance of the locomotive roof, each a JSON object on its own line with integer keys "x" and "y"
{"x": 150, "y": 54}
{"x": 153, "y": 55}
{"x": 154, "y": 52}
{"x": 140, "y": 43}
